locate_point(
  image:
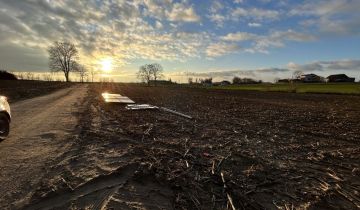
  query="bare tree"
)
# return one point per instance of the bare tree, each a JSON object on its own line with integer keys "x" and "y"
{"x": 82, "y": 72}
{"x": 150, "y": 72}
{"x": 145, "y": 73}
{"x": 297, "y": 74}
{"x": 190, "y": 80}
{"x": 20, "y": 75}
{"x": 37, "y": 77}
{"x": 63, "y": 57}
{"x": 156, "y": 70}
{"x": 47, "y": 77}
{"x": 93, "y": 73}
{"x": 29, "y": 76}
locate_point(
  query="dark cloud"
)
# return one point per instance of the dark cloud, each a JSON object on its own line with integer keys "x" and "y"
{"x": 228, "y": 74}
{"x": 19, "y": 57}
{"x": 349, "y": 65}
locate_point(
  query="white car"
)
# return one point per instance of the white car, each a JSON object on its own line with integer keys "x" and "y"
{"x": 5, "y": 117}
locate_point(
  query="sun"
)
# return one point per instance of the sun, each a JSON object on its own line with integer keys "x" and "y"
{"x": 106, "y": 65}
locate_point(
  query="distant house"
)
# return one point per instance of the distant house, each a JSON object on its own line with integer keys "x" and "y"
{"x": 340, "y": 78}
{"x": 225, "y": 82}
{"x": 222, "y": 83}
{"x": 310, "y": 78}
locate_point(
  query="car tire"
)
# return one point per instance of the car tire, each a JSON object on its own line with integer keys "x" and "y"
{"x": 4, "y": 126}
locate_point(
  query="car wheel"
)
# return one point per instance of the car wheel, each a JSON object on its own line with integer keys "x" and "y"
{"x": 4, "y": 126}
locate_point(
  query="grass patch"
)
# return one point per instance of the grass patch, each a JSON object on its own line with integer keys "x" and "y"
{"x": 335, "y": 88}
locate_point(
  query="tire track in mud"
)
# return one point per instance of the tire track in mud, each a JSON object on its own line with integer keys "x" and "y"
{"x": 100, "y": 171}
{"x": 100, "y": 189}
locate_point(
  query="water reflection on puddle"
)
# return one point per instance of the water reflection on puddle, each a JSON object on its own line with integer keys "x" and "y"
{"x": 116, "y": 98}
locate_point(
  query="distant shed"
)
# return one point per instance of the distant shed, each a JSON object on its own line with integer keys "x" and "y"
{"x": 310, "y": 78}
{"x": 340, "y": 78}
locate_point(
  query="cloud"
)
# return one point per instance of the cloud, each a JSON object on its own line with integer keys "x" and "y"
{"x": 277, "y": 39}
{"x": 216, "y": 6}
{"x": 343, "y": 65}
{"x": 218, "y": 75}
{"x": 338, "y": 65}
{"x": 262, "y": 43}
{"x": 254, "y": 14}
{"x": 31, "y": 58}
{"x": 215, "y": 74}
{"x": 239, "y": 36}
{"x": 117, "y": 29}
{"x": 218, "y": 19}
{"x": 221, "y": 48}
{"x": 238, "y": 1}
{"x": 331, "y": 17}
{"x": 254, "y": 25}
{"x": 158, "y": 25}
{"x": 181, "y": 12}
{"x": 305, "y": 67}
{"x": 167, "y": 9}
{"x": 323, "y": 68}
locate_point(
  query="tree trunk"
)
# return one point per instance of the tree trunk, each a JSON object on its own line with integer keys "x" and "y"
{"x": 67, "y": 77}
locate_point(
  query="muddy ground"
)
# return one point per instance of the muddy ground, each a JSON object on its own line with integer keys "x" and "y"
{"x": 17, "y": 90}
{"x": 274, "y": 150}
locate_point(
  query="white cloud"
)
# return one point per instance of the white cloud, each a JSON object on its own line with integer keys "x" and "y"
{"x": 254, "y": 25}
{"x": 216, "y": 6}
{"x": 115, "y": 29}
{"x": 181, "y": 12}
{"x": 238, "y": 1}
{"x": 261, "y": 43}
{"x": 331, "y": 17}
{"x": 221, "y": 48}
{"x": 254, "y": 13}
{"x": 239, "y": 36}
{"x": 158, "y": 25}
{"x": 218, "y": 19}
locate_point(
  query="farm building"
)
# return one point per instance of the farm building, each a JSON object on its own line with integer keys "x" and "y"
{"x": 310, "y": 78}
{"x": 222, "y": 83}
{"x": 225, "y": 82}
{"x": 340, "y": 78}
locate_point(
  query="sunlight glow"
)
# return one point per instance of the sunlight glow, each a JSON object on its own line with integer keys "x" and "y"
{"x": 106, "y": 65}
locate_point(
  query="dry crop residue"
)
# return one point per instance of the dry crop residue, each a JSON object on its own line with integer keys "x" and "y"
{"x": 275, "y": 150}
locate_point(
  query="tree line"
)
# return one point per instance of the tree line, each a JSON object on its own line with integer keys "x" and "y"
{"x": 150, "y": 73}
{"x": 236, "y": 81}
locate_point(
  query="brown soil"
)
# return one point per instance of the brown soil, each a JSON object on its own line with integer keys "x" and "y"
{"x": 276, "y": 151}
{"x": 17, "y": 90}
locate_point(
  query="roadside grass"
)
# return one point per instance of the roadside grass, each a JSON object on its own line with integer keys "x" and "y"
{"x": 330, "y": 88}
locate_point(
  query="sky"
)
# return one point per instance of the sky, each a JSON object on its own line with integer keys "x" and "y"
{"x": 260, "y": 39}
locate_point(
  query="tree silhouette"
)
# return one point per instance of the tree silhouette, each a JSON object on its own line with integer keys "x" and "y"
{"x": 150, "y": 72}
{"x": 156, "y": 70}
{"x": 63, "y": 57}
{"x": 82, "y": 72}
{"x": 144, "y": 74}
{"x": 4, "y": 75}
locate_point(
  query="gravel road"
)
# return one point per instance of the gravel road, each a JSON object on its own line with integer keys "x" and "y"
{"x": 42, "y": 129}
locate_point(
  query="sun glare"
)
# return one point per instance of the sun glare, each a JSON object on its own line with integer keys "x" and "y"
{"x": 106, "y": 65}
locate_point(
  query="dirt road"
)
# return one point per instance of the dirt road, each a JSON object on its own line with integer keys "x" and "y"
{"x": 41, "y": 131}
